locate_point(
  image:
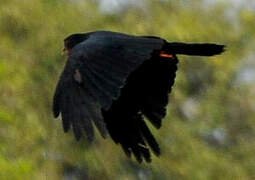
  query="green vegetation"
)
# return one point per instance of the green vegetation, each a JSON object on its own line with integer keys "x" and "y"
{"x": 209, "y": 132}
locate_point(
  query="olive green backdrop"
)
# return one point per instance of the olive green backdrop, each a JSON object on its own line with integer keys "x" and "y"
{"x": 209, "y": 132}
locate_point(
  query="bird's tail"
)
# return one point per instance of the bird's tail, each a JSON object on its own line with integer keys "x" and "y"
{"x": 194, "y": 49}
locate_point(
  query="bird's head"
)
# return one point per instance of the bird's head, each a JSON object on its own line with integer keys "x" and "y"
{"x": 71, "y": 41}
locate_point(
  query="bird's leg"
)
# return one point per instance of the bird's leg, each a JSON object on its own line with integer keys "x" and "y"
{"x": 166, "y": 55}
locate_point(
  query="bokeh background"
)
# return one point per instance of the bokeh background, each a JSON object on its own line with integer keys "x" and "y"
{"x": 209, "y": 132}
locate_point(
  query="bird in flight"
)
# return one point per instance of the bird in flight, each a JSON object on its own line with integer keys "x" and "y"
{"x": 113, "y": 81}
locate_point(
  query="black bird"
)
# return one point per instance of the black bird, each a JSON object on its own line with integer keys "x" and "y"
{"x": 114, "y": 80}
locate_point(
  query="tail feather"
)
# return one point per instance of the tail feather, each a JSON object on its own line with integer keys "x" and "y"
{"x": 194, "y": 49}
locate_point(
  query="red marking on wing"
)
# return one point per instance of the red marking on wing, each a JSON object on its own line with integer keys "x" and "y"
{"x": 164, "y": 54}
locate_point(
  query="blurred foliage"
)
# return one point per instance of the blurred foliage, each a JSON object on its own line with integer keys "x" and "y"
{"x": 209, "y": 132}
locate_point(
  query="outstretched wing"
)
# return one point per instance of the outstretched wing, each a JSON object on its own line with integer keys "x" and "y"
{"x": 93, "y": 77}
{"x": 144, "y": 94}
{"x": 156, "y": 87}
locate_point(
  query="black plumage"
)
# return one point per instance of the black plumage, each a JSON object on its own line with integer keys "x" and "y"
{"x": 114, "y": 81}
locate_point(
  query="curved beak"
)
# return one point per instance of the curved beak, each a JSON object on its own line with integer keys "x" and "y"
{"x": 65, "y": 52}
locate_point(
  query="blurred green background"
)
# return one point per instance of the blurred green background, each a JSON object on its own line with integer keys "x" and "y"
{"x": 209, "y": 132}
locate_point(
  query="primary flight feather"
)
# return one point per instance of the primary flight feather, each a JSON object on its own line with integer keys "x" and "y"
{"x": 113, "y": 80}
